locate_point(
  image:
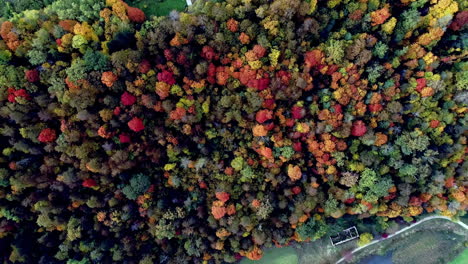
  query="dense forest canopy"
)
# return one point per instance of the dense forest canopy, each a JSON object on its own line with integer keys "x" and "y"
{"x": 207, "y": 135}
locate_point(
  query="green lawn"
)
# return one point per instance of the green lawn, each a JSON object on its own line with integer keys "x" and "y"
{"x": 464, "y": 219}
{"x": 159, "y": 8}
{"x": 286, "y": 255}
{"x": 461, "y": 259}
{"x": 433, "y": 242}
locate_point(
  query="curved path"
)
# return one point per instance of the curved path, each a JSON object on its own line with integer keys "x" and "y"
{"x": 403, "y": 230}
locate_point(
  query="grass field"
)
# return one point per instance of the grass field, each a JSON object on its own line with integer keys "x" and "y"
{"x": 461, "y": 259}
{"x": 321, "y": 251}
{"x": 433, "y": 242}
{"x": 436, "y": 241}
{"x": 415, "y": 249}
{"x": 159, "y": 8}
{"x": 286, "y": 255}
{"x": 464, "y": 219}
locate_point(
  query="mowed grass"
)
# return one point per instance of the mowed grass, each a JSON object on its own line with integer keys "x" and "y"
{"x": 461, "y": 259}
{"x": 286, "y": 255}
{"x": 321, "y": 251}
{"x": 427, "y": 247}
{"x": 156, "y": 8}
{"x": 433, "y": 242}
{"x": 464, "y": 219}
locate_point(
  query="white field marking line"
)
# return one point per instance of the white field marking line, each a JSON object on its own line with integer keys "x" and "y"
{"x": 403, "y": 230}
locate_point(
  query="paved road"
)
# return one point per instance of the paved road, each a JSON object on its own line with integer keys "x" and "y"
{"x": 403, "y": 230}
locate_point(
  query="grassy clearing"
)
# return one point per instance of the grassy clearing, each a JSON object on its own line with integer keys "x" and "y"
{"x": 461, "y": 259}
{"x": 433, "y": 242}
{"x": 159, "y": 8}
{"x": 322, "y": 251}
{"x": 464, "y": 219}
{"x": 415, "y": 249}
{"x": 286, "y": 255}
